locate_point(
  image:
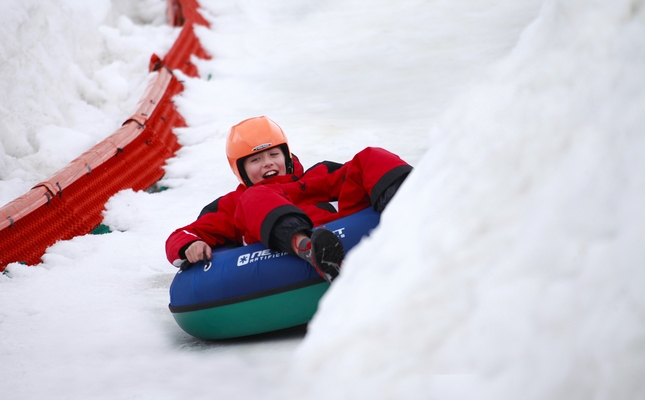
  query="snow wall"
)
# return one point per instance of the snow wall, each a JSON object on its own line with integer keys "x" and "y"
{"x": 71, "y": 202}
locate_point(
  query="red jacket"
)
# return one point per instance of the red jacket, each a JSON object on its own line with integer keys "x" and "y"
{"x": 248, "y": 214}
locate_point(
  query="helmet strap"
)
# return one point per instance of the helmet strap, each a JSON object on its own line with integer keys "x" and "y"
{"x": 242, "y": 171}
{"x": 288, "y": 159}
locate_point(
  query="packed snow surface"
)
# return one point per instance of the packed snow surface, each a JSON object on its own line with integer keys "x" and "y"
{"x": 511, "y": 264}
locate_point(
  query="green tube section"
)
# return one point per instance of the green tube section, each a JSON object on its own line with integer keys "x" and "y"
{"x": 251, "y": 317}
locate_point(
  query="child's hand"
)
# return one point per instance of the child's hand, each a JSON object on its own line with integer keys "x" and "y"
{"x": 196, "y": 251}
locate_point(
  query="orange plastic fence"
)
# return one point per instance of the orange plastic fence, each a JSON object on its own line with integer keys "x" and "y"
{"x": 179, "y": 57}
{"x": 71, "y": 202}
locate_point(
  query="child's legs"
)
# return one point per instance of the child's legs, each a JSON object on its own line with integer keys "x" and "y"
{"x": 367, "y": 176}
{"x": 288, "y": 228}
{"x": 259, "y": 210}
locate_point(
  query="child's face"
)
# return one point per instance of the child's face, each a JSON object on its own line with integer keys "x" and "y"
{"x": 265, "y": 164}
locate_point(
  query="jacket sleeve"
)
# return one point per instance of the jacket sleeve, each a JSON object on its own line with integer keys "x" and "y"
{"x": 215, "y": 228}
{"x": 316, "y": 186}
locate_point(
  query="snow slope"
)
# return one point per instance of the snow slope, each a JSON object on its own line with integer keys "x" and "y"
{"x": 510, "y": 265}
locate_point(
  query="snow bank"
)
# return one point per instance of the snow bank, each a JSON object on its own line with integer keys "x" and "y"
{"x": 511, "y": 263}
{"x": 72, "y": 73}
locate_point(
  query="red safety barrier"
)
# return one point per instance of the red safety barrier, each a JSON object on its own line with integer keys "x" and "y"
{"x": 187, "y": 44}
{"x": 71, "y": 202}
{"x": 181, "y": 12}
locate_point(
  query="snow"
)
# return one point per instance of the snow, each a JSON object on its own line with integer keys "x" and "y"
{"x": 510, "y": 264}
{"x": 72, "y": 71}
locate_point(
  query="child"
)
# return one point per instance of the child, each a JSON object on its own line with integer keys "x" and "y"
{"x": 278, "y": 204}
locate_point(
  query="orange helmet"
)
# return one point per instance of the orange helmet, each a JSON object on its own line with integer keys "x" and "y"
{"x": 253, "y": 135}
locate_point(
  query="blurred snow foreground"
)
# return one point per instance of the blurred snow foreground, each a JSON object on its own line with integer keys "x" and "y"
{"x": 512, "y": 263}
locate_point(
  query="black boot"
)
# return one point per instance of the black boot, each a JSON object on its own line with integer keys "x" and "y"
{"x": 324, "y": 251}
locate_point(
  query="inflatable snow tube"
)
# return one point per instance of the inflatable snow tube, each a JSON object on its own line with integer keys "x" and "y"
{"x": 250, "y": 290}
